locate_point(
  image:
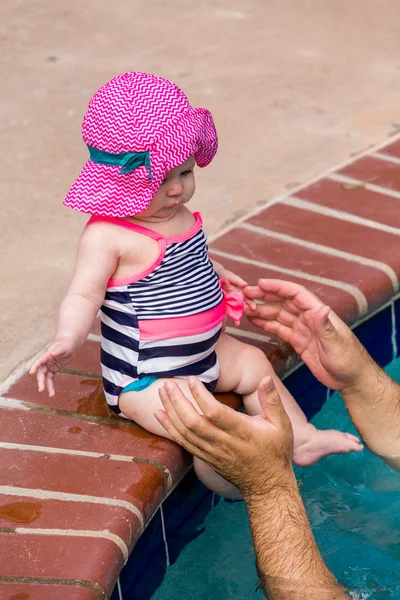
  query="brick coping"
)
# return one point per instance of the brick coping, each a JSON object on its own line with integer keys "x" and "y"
{"x": 80, "y": 484}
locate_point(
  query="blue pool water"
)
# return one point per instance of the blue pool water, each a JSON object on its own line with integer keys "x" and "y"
{"x": 353, "y": 503}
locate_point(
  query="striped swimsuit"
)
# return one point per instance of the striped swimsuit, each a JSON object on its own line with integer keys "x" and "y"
{"x": 165, "y": 321}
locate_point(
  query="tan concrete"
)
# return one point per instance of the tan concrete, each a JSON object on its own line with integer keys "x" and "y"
{"x": 295, "y": 87}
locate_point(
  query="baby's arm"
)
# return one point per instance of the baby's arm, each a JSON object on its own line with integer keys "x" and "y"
{"x": 96, "y": 261}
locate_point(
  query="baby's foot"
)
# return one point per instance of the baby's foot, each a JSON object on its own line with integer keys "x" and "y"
{"x": 320, "y": 443}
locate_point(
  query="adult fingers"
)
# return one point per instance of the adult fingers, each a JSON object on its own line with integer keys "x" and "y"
{"x": 279, "y": 290}
{"x": 183, "y": 415}
{"x": 270, "y": 309}
{"x": 225, "y": 418}
{"x": 286, "y": 317}
{"x": 250, "y": 304}
{"x": 291, "y": 306}
{"x": 280, "y": 330}
{"x": 164, "y": 419}
{"x": 283, "y": 289}
{"x": 275, "y": 310}
{"x": 254, "y": 292}
{"x": 271, "y": 404}
{"x": 300, "y": 295}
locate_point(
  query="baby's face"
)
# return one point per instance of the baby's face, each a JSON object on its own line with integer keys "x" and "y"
{"x": 177, "y": 188}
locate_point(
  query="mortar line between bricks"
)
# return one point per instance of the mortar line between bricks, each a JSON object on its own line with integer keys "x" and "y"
{"x": 10, "y": 490}
{"x": 67, "y": 371}
{"x": 94, "y": 337}
{"x": 93, "y": 587}
{"x": 340, "y": 215}
{"x": 251, "y": 335}
{"x": 386, "y": 157}
{"x": 87, "y": 454}
{"x": 22, "y": 405}
{"x": 87, "y": 533}
{"x": 357, "y": 183}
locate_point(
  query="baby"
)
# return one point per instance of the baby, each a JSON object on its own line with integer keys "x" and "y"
{"x": 142, "y": 260}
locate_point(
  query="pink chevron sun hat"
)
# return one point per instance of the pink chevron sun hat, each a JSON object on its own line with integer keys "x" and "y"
{"x": 137, "y": 128}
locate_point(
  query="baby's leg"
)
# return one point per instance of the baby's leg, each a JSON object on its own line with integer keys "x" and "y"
{"x": 241, "y": 369}
{"x": 140, "y": 407}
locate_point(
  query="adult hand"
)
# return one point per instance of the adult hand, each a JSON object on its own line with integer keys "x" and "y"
{"x": 253, "y": 453}
{"x": 323, "y": 341}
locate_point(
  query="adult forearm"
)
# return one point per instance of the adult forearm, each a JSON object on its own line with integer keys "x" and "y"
{"x": 76, "y": 317}
{"x": 288, "y": 560}
{"x": 373, "y": 403}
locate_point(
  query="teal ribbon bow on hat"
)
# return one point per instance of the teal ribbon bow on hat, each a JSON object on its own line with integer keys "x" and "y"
{"x": 129, "y": 161}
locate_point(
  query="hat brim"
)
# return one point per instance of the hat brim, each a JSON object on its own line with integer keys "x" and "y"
{"x": 102, "y": 190}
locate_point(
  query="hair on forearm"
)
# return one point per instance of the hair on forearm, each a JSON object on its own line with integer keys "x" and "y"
{"x": 289, "y": 564}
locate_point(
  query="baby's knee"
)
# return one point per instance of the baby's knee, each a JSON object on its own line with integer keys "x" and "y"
{"x": 255, "y": 366}
{"x": 256, "y": 360}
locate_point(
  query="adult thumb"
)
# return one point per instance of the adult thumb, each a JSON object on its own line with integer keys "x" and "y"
{"x": 324, "y": 327}
{"x": 271, "y": 402}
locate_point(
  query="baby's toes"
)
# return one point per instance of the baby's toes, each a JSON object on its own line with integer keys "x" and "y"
{"x": 354, "y": 441}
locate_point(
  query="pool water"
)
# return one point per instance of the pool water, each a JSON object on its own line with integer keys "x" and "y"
{"x": 353, "y": 503}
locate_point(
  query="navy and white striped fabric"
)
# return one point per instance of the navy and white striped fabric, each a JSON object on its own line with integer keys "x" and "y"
{"x": 183, "y": 284}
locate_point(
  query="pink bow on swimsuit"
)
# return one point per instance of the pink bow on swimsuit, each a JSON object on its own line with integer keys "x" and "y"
{"x": 233, "y": 304}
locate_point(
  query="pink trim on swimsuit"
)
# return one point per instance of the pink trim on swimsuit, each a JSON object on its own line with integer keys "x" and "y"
{"x": 142, "y": 274}
{"x": 162, "y": 329}
{"x": 192, "y": 231}
{"x": 162, "y": 242}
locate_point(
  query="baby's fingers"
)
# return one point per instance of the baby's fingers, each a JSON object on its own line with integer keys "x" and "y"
{"x": 50, "y": 384}
{"x": 39, "y": 362}
{"x": 41, "y": 378}
{"x": 237, "y": 280}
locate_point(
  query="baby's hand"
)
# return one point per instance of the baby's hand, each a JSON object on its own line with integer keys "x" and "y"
{"x": 231, "y": 281}
{"x": 56, "y": 355}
